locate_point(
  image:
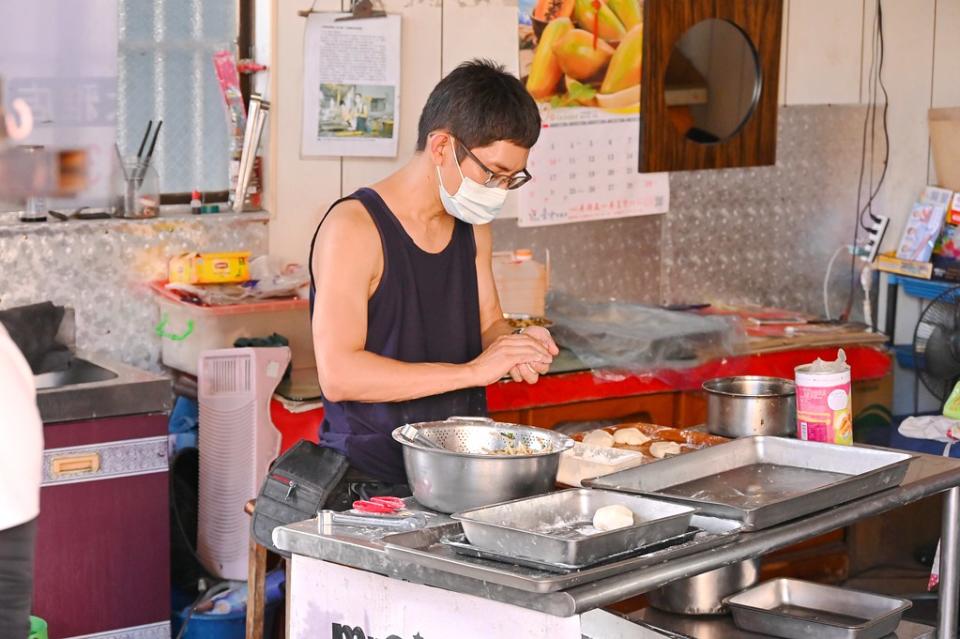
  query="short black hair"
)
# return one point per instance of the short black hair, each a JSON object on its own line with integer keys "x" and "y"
{"x": 479, "y": 103}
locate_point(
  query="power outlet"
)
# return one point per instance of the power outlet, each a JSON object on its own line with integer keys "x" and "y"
{"x": 875, "y": 237}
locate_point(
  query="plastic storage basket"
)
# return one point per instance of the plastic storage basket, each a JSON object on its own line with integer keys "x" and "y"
{"x": 186, "y": 330}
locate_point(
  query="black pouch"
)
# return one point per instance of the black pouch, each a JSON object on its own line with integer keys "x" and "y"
{"x": 296, "y": 488}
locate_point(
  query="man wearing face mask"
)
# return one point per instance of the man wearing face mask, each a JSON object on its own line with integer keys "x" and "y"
{"x": 407, "y": 324}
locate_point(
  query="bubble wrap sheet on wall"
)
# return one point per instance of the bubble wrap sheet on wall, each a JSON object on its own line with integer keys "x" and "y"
{"x": 764, "y": 235}
{"x": 100, "y": 268}
{"x": 749, "y": 236}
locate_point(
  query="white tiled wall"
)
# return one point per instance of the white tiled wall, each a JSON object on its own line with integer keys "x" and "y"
{"x": 826, "y": 57}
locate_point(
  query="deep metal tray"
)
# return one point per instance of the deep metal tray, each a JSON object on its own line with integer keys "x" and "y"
{"x": 461, "y": 546}
{"x": 424, "y": 548}
{"x": 557, "y": 527}
{"x": 797, "y": 609}
{"x": 764, "y": 481}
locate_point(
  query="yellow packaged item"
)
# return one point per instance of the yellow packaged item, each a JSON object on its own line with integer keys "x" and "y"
{"x": 210, "y": 268}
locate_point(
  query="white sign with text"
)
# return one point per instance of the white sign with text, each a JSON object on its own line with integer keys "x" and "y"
{"x": 329, "y": 601}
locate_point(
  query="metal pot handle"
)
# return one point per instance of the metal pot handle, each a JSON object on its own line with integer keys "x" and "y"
{"x": 479, "y": 420}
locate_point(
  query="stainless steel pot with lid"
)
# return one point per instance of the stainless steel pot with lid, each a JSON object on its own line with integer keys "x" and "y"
{"x": 751, "y": 405}
{"x": 479, "y": 462}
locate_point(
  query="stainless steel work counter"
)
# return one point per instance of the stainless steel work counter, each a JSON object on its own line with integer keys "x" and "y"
{"x": 927, "y": 475}
{"x": 132, "y": 391}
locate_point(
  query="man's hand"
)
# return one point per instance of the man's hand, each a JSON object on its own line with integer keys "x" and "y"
{"x": 510, "y": 352}
{"x": 530, "y": 372}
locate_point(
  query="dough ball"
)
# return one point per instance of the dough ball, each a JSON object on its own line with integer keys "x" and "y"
{"x": 630, "y": 437}
{"x": 612, "y": 517}
{"x": 662, "y": 449}
{"x": 599, "y": 438}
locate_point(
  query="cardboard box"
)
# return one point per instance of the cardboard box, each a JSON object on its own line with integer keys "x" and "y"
{"x": 945, "y": 143}
{"x": 892, "y": 264}
{"x": 210, "y": 268}
{"x": 953, "y": 213}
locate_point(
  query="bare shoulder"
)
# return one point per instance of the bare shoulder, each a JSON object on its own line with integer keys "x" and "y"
{"x": 348, "y": 236}
{"x": 348, "y": 220}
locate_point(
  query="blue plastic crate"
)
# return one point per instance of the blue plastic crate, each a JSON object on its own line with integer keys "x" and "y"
{"x": 905, "y": 355}
{"x": 924, "y": 289}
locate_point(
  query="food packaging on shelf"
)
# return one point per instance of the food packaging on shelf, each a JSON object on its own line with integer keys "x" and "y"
{"x": 210, "y": 268}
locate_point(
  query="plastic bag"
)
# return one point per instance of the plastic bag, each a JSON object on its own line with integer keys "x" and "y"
{"x": 640, "y": 338}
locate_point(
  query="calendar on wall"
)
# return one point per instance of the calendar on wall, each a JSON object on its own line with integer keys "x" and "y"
{"x": 582, "y": 64}
{"x": 586, "y": 171}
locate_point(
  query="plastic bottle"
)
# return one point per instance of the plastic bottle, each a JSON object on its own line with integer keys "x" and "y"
{"x": 195, "y": 203}
{"x": 235, "y": 600}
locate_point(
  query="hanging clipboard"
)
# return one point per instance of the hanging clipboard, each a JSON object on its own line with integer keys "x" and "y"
{"x": 351, "y": 83}
{"x": 359, "y": 10}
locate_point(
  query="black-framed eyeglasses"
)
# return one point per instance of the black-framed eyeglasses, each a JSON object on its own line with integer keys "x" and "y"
{"x": 496, "y": 180}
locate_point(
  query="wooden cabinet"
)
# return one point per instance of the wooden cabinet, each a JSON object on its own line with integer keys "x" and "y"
{"x": 674, "y": 408}
{"x": 704, "y": 105}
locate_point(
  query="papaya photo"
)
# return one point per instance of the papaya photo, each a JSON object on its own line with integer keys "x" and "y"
{"x": 582, "y": 53}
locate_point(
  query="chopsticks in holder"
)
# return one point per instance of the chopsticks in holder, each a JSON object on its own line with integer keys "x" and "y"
{"x": 149, "y": 156}
{"x": 143, "y": 142}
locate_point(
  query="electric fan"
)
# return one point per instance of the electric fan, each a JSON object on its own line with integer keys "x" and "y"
{"x": 936, "y": 344}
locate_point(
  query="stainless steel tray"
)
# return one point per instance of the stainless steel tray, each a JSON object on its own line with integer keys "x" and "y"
{"x": 799, "y": 609}
{"x": 558, "y": 527}
{"x": 461, "y": 546}
{"x": 722, "y": 627}
{"x": 764, "y": 481}
{"x": 412, "y": 551}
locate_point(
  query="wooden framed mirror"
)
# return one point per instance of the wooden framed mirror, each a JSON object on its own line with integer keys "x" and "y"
{"x": 709, "y": 84}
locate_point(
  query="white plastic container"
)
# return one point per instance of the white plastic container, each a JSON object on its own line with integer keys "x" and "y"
{"x": 824, "y": 403}
{"x": 521, "y": 282}
{"x": 586, "y": 462}
{"x": 186, "y": 330}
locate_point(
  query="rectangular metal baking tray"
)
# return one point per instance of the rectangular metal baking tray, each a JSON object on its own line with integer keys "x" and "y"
{"x": 764, "y": 481}
{"x": 797, "y": 609}
{"x": 558, "y": 527}
{"x": 412, "y": 551}
{"x": 461, "y": 546}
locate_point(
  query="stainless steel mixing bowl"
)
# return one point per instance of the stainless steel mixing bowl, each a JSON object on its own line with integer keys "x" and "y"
{"x": 704, "y": 594}
{"x": 482, "y": 462}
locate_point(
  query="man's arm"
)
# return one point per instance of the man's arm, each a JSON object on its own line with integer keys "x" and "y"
{"x": 492, "y": 324}
{"x": 347, "y": 260}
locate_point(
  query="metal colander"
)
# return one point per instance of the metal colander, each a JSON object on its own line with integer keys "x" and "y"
{"x": 483, "y": 436}
{"x": 473, "y": 468}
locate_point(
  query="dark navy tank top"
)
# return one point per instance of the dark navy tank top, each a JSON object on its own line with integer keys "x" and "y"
{"x": 426, "y": 308}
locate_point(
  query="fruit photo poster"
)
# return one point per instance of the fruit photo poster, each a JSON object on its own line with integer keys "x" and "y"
{"x": 580, "y": 60}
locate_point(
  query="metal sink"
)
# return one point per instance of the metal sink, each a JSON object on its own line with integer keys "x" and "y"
{"x": 80, "y": 371}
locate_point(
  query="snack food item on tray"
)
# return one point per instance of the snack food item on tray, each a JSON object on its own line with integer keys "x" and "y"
{"x": 630, "y": 436}
{"x": 662, "y": 449}
{"x": 599, "y": 438}
{"x": 612, "y": 517}
{"x": 620, "y": 437}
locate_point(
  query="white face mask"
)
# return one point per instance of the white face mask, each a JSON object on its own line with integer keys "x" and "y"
{"x": 473, "y": 203}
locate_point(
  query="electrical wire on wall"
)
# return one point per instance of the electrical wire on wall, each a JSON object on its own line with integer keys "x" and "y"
{"x": 875, "y": 87}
